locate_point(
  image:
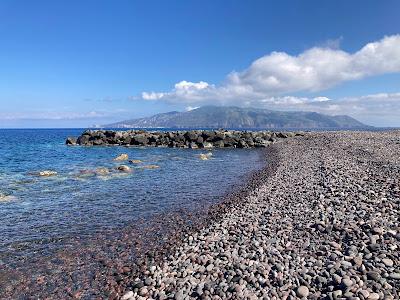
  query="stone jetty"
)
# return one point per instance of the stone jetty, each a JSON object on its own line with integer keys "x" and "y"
{"x": 181, "y": 139}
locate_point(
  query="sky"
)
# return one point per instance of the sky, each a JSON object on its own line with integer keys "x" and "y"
{"x": 79, "y": 63}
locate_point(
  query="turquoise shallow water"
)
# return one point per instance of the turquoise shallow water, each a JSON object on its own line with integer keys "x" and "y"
{"x": 38, "y": 214}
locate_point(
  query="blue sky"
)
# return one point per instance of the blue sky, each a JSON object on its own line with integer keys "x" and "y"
{"x": 78, "y": 63}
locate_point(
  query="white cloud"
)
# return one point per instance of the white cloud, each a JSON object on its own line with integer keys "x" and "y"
{"x": 152, "y": 96}
{"x": 279, "y": 73}
{"x": 189, "y": 108}
{"x": 52, "y": 115}
{"x": 377, "y": 109}
{"x": 183, "y": 89}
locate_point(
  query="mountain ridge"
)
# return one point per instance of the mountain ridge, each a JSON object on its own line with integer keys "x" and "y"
{"x": 241, "y": 118}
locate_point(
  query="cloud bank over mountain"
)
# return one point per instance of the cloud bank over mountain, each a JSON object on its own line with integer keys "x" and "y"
{"x": 273, "y": 80}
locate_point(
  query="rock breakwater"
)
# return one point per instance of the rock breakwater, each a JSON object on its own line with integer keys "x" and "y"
{"x": 181, "y": 139}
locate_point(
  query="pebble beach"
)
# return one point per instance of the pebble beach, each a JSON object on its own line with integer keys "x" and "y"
{"x": 321, "y": 223}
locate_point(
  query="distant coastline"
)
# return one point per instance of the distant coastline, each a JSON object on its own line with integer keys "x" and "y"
{"x": 242, "y": 118}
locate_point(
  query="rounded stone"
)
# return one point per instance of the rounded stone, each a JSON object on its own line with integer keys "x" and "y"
{"x": 143, "y": 291}
{"x": 347, "y": 282}
{"x": 387, "y": 262}
{"x": 302, "y": 291}
{"x": 127, "y": 295}
{"x": 373, "y": 296}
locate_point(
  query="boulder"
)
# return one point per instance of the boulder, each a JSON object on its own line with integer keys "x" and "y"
{"x": 208, "y": 135}
{"x": 140, "y": 140}
{"x": 126, "y": 140}
{"x": 217, "y": 137}
{"x": 229, "y": 142}
{"x": 83, "y": 139}
{"x": 193, "y": 145}
{"x": 242, "y": 144}
{"x": 206, "y": 145}
{"x": 118, "y": 135}
{"x": 191, "y": 136}
{"x": 98, "y": 142}
{"x": 70, "y": 141}
{"x": 153, "y": 139}
{"x": 219, "y": 144}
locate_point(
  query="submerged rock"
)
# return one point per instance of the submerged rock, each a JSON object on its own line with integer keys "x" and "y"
{"x": 86, "y": 173}
{"x": 124, "y": 168}
{"x": 122, "y": 157}
{"x": 205, "y": 156}
{"x": 47, "y": 173}
{"x": 135, "y": 161}
{"x": 151, "y": 167}
{"x": 102, "y": 171}
{"x": 7, "y": 198}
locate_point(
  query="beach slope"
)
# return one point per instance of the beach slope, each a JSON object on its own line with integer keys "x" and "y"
{"x": 322, "y": 223}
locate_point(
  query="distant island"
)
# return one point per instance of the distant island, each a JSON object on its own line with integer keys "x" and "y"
{"x": 241, "y": 118}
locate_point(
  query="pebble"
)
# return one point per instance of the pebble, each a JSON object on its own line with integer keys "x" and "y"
{"x": 347, "y": 282}
{"x": 373, "y": 296}
{"x": 302, "y": 291}
{"x": 143, "y": 291}
{"x": 127, "y": 295}
{"x": 388, "y": 262}
{"x": 395, "y": 276}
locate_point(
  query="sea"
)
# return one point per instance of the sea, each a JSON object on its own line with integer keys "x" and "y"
{"x": 40, "y": 213}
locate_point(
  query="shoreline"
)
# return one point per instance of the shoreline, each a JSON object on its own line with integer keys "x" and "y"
{"x": 97, "y": 255}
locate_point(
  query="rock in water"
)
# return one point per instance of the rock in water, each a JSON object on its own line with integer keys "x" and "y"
{"x": 102, "y": 171}
{"x": 7, "y": 198}
{"x": 121, "y": 157}
{"x": 151, "y": 167}
{"x": 205, "y": 156}
{"x": 70, "y": 141}
{"x": 135, "y": 161}
{"x": 124, "y": 168}
{"x": 47, "y": 173}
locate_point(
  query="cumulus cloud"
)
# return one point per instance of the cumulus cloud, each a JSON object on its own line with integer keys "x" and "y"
{"x": 279, "y": 73}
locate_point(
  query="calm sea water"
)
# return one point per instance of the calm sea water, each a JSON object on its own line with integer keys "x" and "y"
{"x": 38, "y": 213}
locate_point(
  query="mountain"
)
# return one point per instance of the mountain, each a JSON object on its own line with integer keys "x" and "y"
{"x": 235, "y": 117}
